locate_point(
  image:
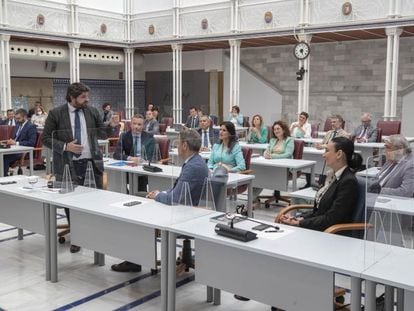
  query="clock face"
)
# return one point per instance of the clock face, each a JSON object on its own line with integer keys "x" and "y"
{"x": 301, "y": 50}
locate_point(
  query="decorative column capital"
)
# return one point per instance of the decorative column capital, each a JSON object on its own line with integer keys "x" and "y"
{"x": 389, "y": 31}
{"x": 176, "y": 47}
{"x": 74, "y": 45}
{"x": 129, "y": 50}
{"x": 4, "y": 37}
{"x": 305, "y": 37}
{"x": 234, "y": 42}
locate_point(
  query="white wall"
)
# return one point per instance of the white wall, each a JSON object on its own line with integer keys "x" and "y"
{"x": 142, "y": 6}
{"x": 109, "y": 6}
{"x": 256, "y": 96}
{"x": 407, "y": 125}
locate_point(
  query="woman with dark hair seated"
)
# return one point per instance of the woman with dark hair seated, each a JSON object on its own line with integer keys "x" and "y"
{"x": 227, "y": 152}
{"x": 336, "y": 201}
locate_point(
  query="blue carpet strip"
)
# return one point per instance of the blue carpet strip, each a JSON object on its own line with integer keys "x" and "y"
{"x": 103, "y": 292}
{"x": 152, "y": 295}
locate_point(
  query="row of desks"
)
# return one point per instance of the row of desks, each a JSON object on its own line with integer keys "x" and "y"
{"x": 302, "y": 262}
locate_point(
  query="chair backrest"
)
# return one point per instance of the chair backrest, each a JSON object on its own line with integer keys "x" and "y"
{"x": 379, "y": 135}
{"x": 127, "y": 126}
{"x": 359, "y": 212}
{"x": 167, "y": 121}
{"x": 389, "y": 127}
{"x": 164, "y": 145}
{"x": 246, "y": 121}
{"x": 269, "y": 132}
{"x": 4, "y": 132}
{"x": 328, "y": 125}
{"x": 298, "y": 151}
{"x": 247, "y": 155}
{"x": 315, "y": 129}
{"x": 214, "y": 119}
{"x": 37, "y": 154}
{"x": 162, "y": 127}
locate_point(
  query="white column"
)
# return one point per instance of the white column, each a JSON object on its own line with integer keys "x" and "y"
{"x": 74, "y": 61}
{"x": 129, "y": 83}
{"x": 303, "y": 85}
{"x": 5, "y": 82}
{"x": 234, "y": 22}
{"x": 74, "y": 17}
{"x": 234, "y": 73}
{"x": 176, "y": 18}
{"x": 391, "y": 75}
{"x": 177, "y": 82}
{"x": 127, "y": 14}
{"x": 3, "y": 13}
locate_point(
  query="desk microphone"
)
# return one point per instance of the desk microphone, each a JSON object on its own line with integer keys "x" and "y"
{"x": 149, "y": 168}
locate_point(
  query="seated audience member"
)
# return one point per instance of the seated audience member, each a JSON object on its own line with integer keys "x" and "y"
{"x": 155, "y": 112}
{"x": 209, "y": 136}
{"x": 194, "y": 171}
{"x": 193, "y": 119}
{"x": 10, "y": 120}
{"x": 25, "y": 134}
{"x": 151, "y": 125}
{"x": 33, "y": 110}
{"x": 301, "y": 128}
{"x": 396, "y": 176}
{"x": 39, "y": 117}
{"x": 336, "y": 201}
{"x": 257, "y": 132}
{"x": 365, "y": 132}
{"x": 227, "y": 152}
{"x": 235, "y": 116}
{"x": 281, "y": 145}
{"x": 106, "y": 114}
{"x": 337, "y": 131}
{"x": 150, "y": 106}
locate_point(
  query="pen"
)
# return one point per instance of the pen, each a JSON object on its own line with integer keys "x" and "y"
{"x": 270, "y": 231}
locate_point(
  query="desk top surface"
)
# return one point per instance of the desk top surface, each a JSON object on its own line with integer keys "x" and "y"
{"x": 286, "y": 163}
{"x": 14, "y": 149}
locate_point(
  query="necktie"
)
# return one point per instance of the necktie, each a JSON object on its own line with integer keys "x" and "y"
{"x": 334, "y": 134}
{"x": 77, "y": 127}
{"x": 205, "y": 138}
{"x": 138, "y": 146}
{"x": 363, "y": 132}
{"x": 386, "y": 174}
{"x": 192, "y": 122}
{"x": 18, "y": 132}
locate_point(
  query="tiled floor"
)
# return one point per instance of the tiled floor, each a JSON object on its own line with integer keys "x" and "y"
{"x": 84, "y": 286}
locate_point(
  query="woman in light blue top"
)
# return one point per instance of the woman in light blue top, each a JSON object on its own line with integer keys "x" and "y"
{"x": 235, "y": 116}
{"x": 281, "y": 145}
{"x": 257, "y": 132}
{"x": 227, "y": 153}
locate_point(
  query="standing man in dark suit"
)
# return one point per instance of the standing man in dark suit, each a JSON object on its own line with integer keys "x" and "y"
{"x": 134, "y": 145}
{"x": 72, "y": 131}
{"x": 365, "y": 132}
{"x": 10, "y": 120}
{"x": 209, "y": 136}
{"x": 25, "y": 134}
{"x": 192, "y": 119}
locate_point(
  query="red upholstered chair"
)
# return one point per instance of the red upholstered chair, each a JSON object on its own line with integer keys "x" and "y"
{"x": 379, "y": 135}
{"x": 389, "y": 127}
{"x": 6, "y": 131}
{"x": 168, "y": 121}
{"x": 246, "y": 122}
{"x": 163, "y": 128}
{"x": 37, "y": 155}
{"x": 247, "y": 155}
{"x": 164, "y": 146}
{"x": 269, "y": 132}
{"x": 214, "y": 120}
{"x": 328, "y": 125}
{"x": 297, "y": 155}
{"x": 315, "y": 129}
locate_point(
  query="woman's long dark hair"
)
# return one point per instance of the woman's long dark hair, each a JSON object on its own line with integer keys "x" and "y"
{"x": 353, "y": 160}
{"x": 232, "y": 131}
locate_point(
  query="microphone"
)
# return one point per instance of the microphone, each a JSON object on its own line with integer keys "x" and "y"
{"x": 149, "y": 168}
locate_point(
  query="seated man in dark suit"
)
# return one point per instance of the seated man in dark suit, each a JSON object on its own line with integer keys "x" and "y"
{"x": 209, "y": 136}
{"x": 10, "y": 120}
{"x": 151, "y": 125}
{"x": 193, "y": 119}
{"x": 25, "y": 134}
{"x": 396, "y": 176}
{"x": 194, "y": 172}
{"x": 135, "y": 145}
{"x": 365, "y": 132}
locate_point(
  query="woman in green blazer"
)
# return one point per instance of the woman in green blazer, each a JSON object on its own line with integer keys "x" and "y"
{"x": 257, "y": 132}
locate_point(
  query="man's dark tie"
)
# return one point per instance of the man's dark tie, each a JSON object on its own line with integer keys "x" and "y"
{"x": 19, "y": 127}
{"x": 77, "y": 129}
{"x": 334, "y": 134}
{"x": 363, "y": 132}
{"x": 176, "y": 181}
{"x": 205, "y": 139}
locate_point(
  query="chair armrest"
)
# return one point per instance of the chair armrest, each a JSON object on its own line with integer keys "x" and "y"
{"x": 289, "y": 208}
{"x": 347, "y": 227}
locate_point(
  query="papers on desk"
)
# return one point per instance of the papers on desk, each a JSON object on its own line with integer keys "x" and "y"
{"x": 273, "y": 235}
{"x": 123, "y": 163}
{"x": 122, "y": 205}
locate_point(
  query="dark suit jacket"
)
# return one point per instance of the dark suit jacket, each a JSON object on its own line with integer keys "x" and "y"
{"x": 27, "y": 135}
{"x": 124, "y": 147}
{"x": 152, "y": 126}
{"x": 4, "y": 122}
{"x": 188, "y": 122}
{"x": 371, "y": 133}
{"x": 213, "y": 135}
{"x": 194, "y": 173}
{"x": 58, "y": 131}
{"x": 337, "y": 204}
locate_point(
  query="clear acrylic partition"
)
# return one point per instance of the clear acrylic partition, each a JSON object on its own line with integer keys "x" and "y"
{"x": 389, "y": 204}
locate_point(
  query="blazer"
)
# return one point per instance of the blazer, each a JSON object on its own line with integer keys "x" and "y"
{"x": 370, "y": 134}
{"x": 152, "y": 127}
{"x": 213, "y": 136}
{"x": 336, "y": 206}
{"x": 288, "y": 148}
{"x": 194, "y": 173}
{"x": 124, "y": 148}
{"x": 400, "y": 181}
{"x": 239, "y": 119}
{"x": 6, "y": 122}
{"x": 339, "y": 133}
{"x": 58, "y": 131}
{"x": 298, "y": 134}
{"x": 27, "y": 136}
{"x": 253, "y": 138}
{"x": 108, "y": 117}
{"x": 196, "y": 122}
{"x": 234, "y": 158}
